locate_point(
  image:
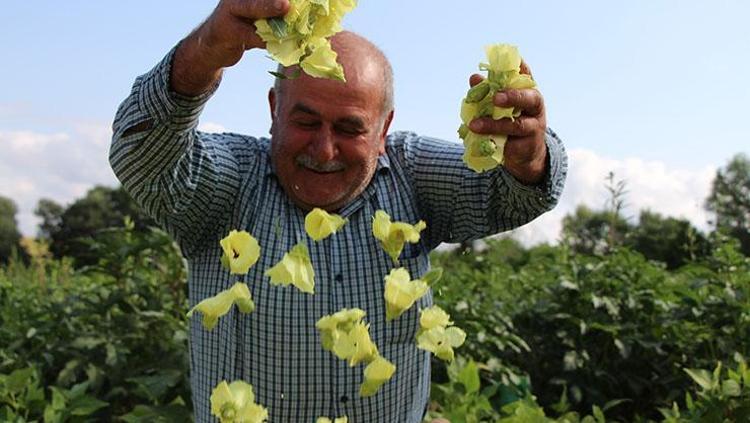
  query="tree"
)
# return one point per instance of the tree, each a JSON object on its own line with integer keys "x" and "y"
{"x": 70, "y": 230}
{"x": 672, "y": 241}
{"x": 9, "y": 234}
{"x": 729, "y": 200}
{"x": 51, "y": 214}
{"x": 590, "y": 231}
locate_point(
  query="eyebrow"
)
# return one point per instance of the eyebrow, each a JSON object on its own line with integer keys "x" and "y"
{"x": 347, "y": 120}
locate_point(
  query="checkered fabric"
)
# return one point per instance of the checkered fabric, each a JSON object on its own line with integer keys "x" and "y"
{"x": 199, "y": 186}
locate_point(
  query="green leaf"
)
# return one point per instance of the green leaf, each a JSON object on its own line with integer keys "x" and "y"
{"x": 58, "y": 398}
{"x": 278, "y": 26}
{"x": 155, "y": 386}
{"x": 469, "y": 377}
{"x": 598, "y": 414}
{"x": 433, "y": 276}
{"x": 85, "y": 405}
{"x": 731, "y": 388}
{"x": 701, "y": 377}
{"x": 19, "y": 379}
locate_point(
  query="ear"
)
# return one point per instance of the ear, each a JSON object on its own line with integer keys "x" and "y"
{"x": 272, "y": 103}
{"x": 384, "y": 133}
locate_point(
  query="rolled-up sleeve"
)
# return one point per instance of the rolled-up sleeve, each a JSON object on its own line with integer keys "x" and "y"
{"x": 186, "y": 180}
{"x": 460, "y": 205}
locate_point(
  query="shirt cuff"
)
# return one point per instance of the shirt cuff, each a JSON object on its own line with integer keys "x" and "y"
{"x": 549, "y": 190}
{"x": 156, "y": 98}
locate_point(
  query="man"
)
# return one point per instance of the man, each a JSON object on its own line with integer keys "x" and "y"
{"x": 329, "y": 148}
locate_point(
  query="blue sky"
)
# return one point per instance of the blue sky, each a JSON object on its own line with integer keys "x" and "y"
{"x": 654, "y": 90}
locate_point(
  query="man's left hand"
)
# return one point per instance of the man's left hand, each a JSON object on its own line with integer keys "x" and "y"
{"x": 526, "y": 151}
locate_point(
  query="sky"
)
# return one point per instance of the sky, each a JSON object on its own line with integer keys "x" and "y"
{"x": 654, "y": 91}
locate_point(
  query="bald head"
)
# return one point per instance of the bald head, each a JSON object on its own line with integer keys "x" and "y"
{"x": 360, "y": 59}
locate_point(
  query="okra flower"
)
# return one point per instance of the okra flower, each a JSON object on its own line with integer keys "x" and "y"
{"x": 241, "y": 251}
{"x": 319, "y": 224}
{"x": 333, "y": 327}
{"x": 393, "y": 235}
{"x": 435, "y": 334}
{"x": 327, "y": 420}
{"x": 401, "y": 292}
{"x": 214, "y": 307}
{"x": 378, "y": 372}
{"x": 484, "y": 152}
{"x": 295, "y": 268}
{"x": 235, "y": 403}
{"x": 300, "y": 37}
{"x": 356, "y": 345}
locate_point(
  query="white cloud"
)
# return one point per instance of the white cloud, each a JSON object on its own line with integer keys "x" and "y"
{"x": 650, "y": 184}
{"x": 61, "y": 166}
{"x": 211, "y": 127}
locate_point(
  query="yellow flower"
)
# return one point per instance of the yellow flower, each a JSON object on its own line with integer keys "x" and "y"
{"x": 333, "y": 327}
{"x": 393, "y": 235}
{"x": 214, "y": 307}
{"x": 235, "y": 403}
{"x": 378, "y": 372}
{"x": 295, "y": 268}
{"x": 482, "y": 152}
{"x": 502, "y": 58}
{"x": 241, "y": 251}
{"x": 345, "y": 335}
{"x": 441, "y": 341}
{"x": 321, "y": 63}
{"x": 401, "y": 292}
{"x": 485, "y": 152}
{"x": 301, "y": 36}
{"x": 433, "y": 317}
{"x": 319, "y": 224}
{"x": 356, "y": 345}
{"x": 436, "y": 336}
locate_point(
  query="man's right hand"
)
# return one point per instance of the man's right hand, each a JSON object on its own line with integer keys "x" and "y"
{"x": 220, "y": 42}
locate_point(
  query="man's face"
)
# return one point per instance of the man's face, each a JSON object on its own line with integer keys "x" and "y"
{"x": 327, "y": 136}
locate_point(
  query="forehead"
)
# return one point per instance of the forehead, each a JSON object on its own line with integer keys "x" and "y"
{"x": 363, "y": 89}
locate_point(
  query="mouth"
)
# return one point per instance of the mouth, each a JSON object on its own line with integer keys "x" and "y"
{"x": 306, "y": 163}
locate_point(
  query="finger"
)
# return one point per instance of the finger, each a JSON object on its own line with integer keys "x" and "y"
{"x": 259, "y": 9}
{"x": 521, "y": 126}
{"x": 529, "y": 100}
{"x": 525, "y": 69}
{"x": 475, "y": 79}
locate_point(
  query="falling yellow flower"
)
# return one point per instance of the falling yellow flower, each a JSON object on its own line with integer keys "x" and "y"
{"x": 441, "y": 341}
{"x": 295, "y": 268}
{"x": 356, "y": 345}
{"x": 401, "y": 292}
{"x": 393, "y": 235}
{"x": 214, "y": 307}
{"x": 435, "y": 334}
{"x": 319, "y": 224}
{"x": 235, "y": 403}
{"x": 301, "y": 36}
{"x": 433, "y": 317}
{"x": 337, "y": 420}
{"x": 483, "y": 152}
{"x": 241, "y": 251}
{"x": 378, "y": 372}
{"x": 333, "y": 327}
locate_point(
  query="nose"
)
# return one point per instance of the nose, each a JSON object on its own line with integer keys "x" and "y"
{"x": 322, "y": 147}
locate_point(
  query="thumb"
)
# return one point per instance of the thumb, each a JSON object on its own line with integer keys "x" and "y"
{"x": 475, "y": 79}
{"x": 259, "y": 9}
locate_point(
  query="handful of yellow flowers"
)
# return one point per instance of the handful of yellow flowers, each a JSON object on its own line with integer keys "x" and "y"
{"x": 301, "y": 37}
{"x": 485, "y": 152}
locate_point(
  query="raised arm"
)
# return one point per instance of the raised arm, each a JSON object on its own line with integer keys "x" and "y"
{"x": 188, "y": 181}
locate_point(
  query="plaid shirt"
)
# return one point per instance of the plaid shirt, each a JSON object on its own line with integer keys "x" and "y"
{"x": 199, "y": 186}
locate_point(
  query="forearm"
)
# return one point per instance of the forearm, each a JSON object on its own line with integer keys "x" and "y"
{"x": 194, "y": 70}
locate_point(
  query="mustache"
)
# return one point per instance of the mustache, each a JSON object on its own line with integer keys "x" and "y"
{"x": 308, "y": 162}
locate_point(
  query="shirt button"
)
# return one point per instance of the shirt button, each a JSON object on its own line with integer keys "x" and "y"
{"x": 339, "y": 277}
{"x": 344, "y": 399}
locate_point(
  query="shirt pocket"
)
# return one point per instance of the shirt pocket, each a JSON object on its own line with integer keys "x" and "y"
{"x": 404, "y": 328}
